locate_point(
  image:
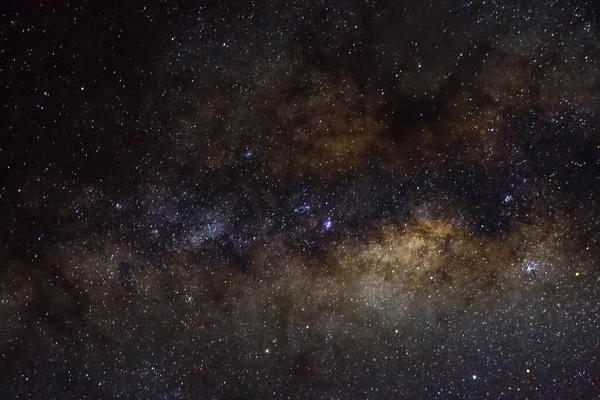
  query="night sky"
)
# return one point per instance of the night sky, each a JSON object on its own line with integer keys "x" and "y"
{"x": 353, "y": 199}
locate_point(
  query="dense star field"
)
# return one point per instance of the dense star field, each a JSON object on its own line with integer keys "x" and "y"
{"x": 355, "y": 199}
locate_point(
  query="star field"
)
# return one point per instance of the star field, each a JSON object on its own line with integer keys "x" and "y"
{"x": 318, "y": 200}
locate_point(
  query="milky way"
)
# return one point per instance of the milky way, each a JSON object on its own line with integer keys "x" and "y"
{"x": 347, "y": 199}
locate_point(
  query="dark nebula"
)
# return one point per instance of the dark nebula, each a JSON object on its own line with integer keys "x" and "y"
{"x": 357, "y": 199}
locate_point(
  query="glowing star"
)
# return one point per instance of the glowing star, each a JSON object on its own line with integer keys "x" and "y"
{"x": 474, "y": 377}
{"x": 327, "y": 224}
